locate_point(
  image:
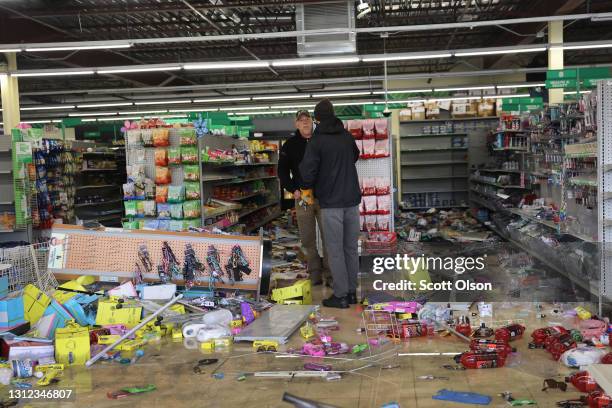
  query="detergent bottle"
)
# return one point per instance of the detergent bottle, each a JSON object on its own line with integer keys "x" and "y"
{"x": 540, "y": 335}
{"x": 582, "y": 381}
{"x": 597, "y": 399}
{"x": 464, "y": 327}
{"x": 510, "y": 332}
{"x": 480, "y": 359}
{"x": 499, "y": 346}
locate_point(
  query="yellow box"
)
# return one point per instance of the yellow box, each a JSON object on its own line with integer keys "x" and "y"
{"x": 108, "y": 338}
{"x": 223, "y": 342}
{"x": 72, "y": 344}
{"x": 298, "y": 291}
{"x": 109, "y": 313}
{"x": 265, "y": 345}
{"x": 208, "y": 345}
{"x": 177, "y": 333}
{"x": 236, "y": 323}
{"x": 130, "y": 345}
{"x": 178, "y": 308}
{"x": 35, "y": 303}
{"x": 292, "y": 302}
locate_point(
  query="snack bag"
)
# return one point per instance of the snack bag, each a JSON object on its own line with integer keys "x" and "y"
{"x": 134, "y": 137}
{"x": 163, "y": 211}
{"x": 130, "y": 208}
{"x": 355, "y": 129}
{"x": 176, "y": 211}
{"x": 162, "y": 175}
{"x": 149, "y": 189}
{"x": 369, "y": 186}
{"x": 129, "y": 191}
{"x": 380, "y": 125}
{"x": 161, "y": 194}
{"x": 368, "y": 129}
{"x": 149, "y": 208}
{"x": 370, "y": 223}
{"x": 161, "y": 137}
{"x": 192, "y": 191}
{"x": 129, "y": 225}
{"x": 359, "y": 144}
{"x": 140, "y": 209}
{"x": 191, "y": 173}
{"x": 369, "y": 203}
{"x": 383, "y": 204}
{"x": 161, "y": 157}
{"x": 188, "y": 137}
{"x": 164, "y": 225}
{"x": 382, "y": 222}
{"x": 189, "y": 154}
{"x": 191, "y": 209}
{"x": 368, "y": 148}
{"x": 147, "y": 137}
{"x": 176, "y": 194}
{"x": 151, "y": 224}
{"x": 174, "y": 156}
{"x": 381, "y": 148}
{"x": 382, "y": 186}
{"x": 175, "y": 225}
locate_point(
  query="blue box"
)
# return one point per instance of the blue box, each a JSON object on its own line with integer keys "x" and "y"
{"x": 4, "y": 283}
{"x": 11, "y": 311}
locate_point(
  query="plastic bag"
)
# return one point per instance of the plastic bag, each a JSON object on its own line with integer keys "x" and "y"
{"x": 147, "y": 137}
{"x": 189, "y": 154}
{"x": 383, "y": 204}
{"x": 130, "y": 208}
{"x": 355, "y": 129}
{"x": 370, "y": 223}
{"x": 382, "y": 186}
{"x": 174, "y": 156}
{"x": 368, "y": 129}
{"x": 191, "y": 209}
{"x": 381, "y": 148}
{"x": 359, "y": 146}
{"x": 191, "y": 173}
{"x": 163, "y": 211}
{"x": 369, "y": 203}
{"x": 149, "y": 208}
{"x": 369, "y": 186}
{"x": 161, "y": 194}
{"x": 176, "y": 211}
{"x": 380, "y": 125}
{"x": 176, "y": 194}
{"x": 192, "y": 191}
{"x": 188, "y": 137}
{"x": 382, "y": 222}
{"x": 161, "y": 137}
{"x": 161, "y": 157}
{"x": 362, "y": 223}
{"x": 162, "y": 175}
{"x": 368, "y": 148}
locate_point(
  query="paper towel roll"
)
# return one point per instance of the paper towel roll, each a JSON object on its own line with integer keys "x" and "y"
{"x": 190, "y": 343}
{"x": 205, "y": 334}
{"x": 191, "y": 329}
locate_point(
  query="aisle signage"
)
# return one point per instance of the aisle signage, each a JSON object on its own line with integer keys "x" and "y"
{"x": 572, "y": 78}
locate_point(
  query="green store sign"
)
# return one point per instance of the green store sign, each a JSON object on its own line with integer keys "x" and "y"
{"x": 572, "y": 78}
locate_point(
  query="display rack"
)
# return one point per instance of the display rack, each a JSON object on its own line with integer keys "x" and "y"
{"x": 8, "y": 228}
{"x": 604, "y": 189}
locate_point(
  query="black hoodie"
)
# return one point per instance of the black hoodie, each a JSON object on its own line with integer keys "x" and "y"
{"x": 329, "y": 166}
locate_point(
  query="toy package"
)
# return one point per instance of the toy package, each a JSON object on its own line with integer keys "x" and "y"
{"x": 147, "y": 137}
{"x": 381, "y": 148}
{"x": 163, "y": 211}
{"x": 192, "y": 191}
{"x": 368, "y": 129}
{"x": 176, "y": 194}
{"x": 354, "y": 128}
{"x": 380, "y": 126}
{"x": 368, "y": 148}
{"x": 188, "y": 137}
{"x": 383, "y": 204}
{"x": 149, "y": 208}
{"x": 174, "y": 156}
{"x": 191, "y": 209}
{"x": 161, "y": 157}
{"x": 130, "y": 208}
{"x": 162, "y": 175}
{"x": 189, "y": 154}
{"x": 161, "y": 137}
{"x": 176, "y": 211}
{"x": 191, "y": 173}
{"x": 161, "y": 194}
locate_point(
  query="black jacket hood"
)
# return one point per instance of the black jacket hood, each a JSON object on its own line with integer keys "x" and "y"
{"x": 332, "y": 125}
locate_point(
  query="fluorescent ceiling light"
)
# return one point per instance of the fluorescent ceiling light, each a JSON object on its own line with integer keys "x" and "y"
{"x": 40, "y": 121}
{"x": 92, "y": 114}
{"x": 523, "y": 95}
{"x": 354, "y": 103}
{"x": 136, "y": 69}
{"x": 89, "y": 120}
{"x": 520, "y": 86}
{"x": 255, "y": 113}
{"x": 32, "y": 108}
{"x": 314, "y": 61}
{"x": 10, "y": 50}
{"x": 308, "y": 105}
{"x": 213, "y": 100}
{"x": 457, "y": 98}
{"x": 272, "y": 97}
{"x": 403, "y": 91}
{"x": 227, "y": 65}
{"x": 495, "y": 52}
{"x": 580, "y": 47}
{"x": 236, "y": 108}
{"x": 340, "y": 94}
{"x": 163, "y": 102}
{"x": 143, "y": 112}
{"x": 77, "y": 48}
{"x": 57, "y": 73}
{"x": 406, "y": 57}
{"x": 465, "y": 88}
{"x": 102, "y": 105}
{"x": 574, "y": 92}
{"x": 409, "y": 101}
{"x": 190, "y": 108}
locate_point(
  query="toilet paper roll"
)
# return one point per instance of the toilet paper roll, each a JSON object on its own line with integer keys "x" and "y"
{"x": 190, "y": 343}
{"x": 206, "y": 334}
{"x": 191, "y": 330}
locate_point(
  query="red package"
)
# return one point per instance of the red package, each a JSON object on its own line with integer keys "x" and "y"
{"x": 381, "y": 128}
{"x": 162, "y": 175}
{"x": 161, "y": 137}
{"x": 362, "y": 223}
{"x": 368, "y": 148}
{"x": 354, "y": 128}
{"x": 383, "y": 204}
{"x": 382, "y": 186}
{"x": 369, "y": 203}
{"x": 360, "y": 147}
{"x": 161, "y": 194}
{"x": 370, "y": 223}
{"x": 161, "y": 157}
{"x": 362, "y": 206}
{"x": 369, "y": 186}
{"x": 381, "y": 148}
{"x": 368, "y": 129}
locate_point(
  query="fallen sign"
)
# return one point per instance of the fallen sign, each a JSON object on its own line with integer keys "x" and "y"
{"x": 276, "y": 324}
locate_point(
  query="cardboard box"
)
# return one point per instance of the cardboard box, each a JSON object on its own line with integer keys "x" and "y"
{"x": 418, "y": 113}
{"x": 432, "y": 113}
{"x": 300, "y": 291}
{"x": 35, "y": 302}
{"x": 127, "y": 314}
{"x": 486, "y": 109}
{"x": 463, "y": 110}
{"x": 21, "y": 350}
{"x": 405, "y": 114}
{"x": 55, "y": 317}
{"x": 11, "y": 311}
{"x": 72, "y": 344}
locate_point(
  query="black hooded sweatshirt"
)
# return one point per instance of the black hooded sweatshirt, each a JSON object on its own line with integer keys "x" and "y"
{"x": 329, "y": 166}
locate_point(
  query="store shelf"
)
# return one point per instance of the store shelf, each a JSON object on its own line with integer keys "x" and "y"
{"x": 500, "y": 171}
{"x": 217, "y": 178}
{"x": 245, "y": 213}
{"x": 449, "y": 120}
{"x": 509, "y": 186}
{"x": 6, "y": 171}
{"x": 509, "y": 149}
{"x": 97, "y": 203}
{"x": 7, "y": 202}
{"x": 435, "y": 177}
{"x": 97, "y": 170}
{"x": 583, "y": 181}
{"x": 6, "y": 231}
{"x": 5, "y": 150}
{"x": 106, "y": 217}
{"x": 433, "y": 149}
{"x": 549, "y": 224}
{"x": 432, "y": 135}
{"x": 264, "y": 221}
{"x": 226, "y": 164}
{"x": 434, "y": 163}
{"x": 512, "y": 131}
{"x": 249, "y": 179}
{"x": 435, "y": 191}
{"x": 483, "y": 203}
{"x": 113, "y": 154}
{"x": 433, "y": 206}
{"x": 96, "y": 186}
{"x": 244, "y": 197}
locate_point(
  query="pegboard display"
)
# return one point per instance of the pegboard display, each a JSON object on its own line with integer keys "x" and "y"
{"x": 112, "y": 254}
{"x": 604, "y": 173}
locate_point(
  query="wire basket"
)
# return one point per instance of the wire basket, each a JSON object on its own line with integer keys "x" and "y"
{"x": 28, "y": 265}
{"x": 381, "y": 242}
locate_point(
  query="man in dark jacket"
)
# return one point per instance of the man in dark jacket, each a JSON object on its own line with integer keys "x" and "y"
{"x": 329, "y": 167}
{"x": 290, "y": 157}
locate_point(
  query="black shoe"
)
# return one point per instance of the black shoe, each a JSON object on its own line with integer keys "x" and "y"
{"x": 351, "y": 298}
{"x": 333, "y": 301}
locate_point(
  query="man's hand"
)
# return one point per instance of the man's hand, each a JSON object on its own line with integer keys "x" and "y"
{"x": 297, "y": 195}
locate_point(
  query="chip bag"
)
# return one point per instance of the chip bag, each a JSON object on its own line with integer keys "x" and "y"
{"x": 174, "y": 156}
{"x": 191, "y": 173}
{"x": 162, "y": 175}
{"x": 192, "y": 191}
{"x": 161, "y": 194}
{"x": 191, "y": 209}
{"x": 161, "y": 157}
{"x": 189, "y": 154}
{"x": 176, "y": 194}
{"x": 161, "y": 137}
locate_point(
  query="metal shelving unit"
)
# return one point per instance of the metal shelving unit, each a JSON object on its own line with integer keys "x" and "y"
{"x": 604, "y": 189}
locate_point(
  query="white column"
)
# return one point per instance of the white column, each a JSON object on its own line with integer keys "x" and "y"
{"x": 9, "y": 91}
{"x": 555, "y": 58}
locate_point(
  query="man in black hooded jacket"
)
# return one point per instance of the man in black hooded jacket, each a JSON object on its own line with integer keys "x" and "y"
{"x": 329, "y": 168}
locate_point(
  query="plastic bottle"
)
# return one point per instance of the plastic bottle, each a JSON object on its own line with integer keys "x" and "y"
{"x": 483, "y": 331}
{"x": 540, "y": 335}
{"x": 464, "y": 326}
{"x": 510, "y": 332}
{"x": 559, "y": 344}
{"x": 481, "y": 359}
{"x": 597, "y": 399}
{"x": 499, "y": 346}
{"x": 607, "y": 359}
{"x": 582, "y": 381}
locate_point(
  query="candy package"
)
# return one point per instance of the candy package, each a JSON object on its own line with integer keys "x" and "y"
{"x": 149, "y": 189}
{"x": 383, "y": 204}
{"x": 368, "y": 186}
{"x": 130, "y": 225}
{"x": 354, "y": 128}
{"x": 161, "y": 194}
{"x": 381, "y": 148}
{"x": 174, "y": 156}
{"x": 362, "y": 223}
{"x": 147, "y": 137}
{"x": 140, "y": 209}
{"x": 139, "y": 190}
{"x": 191, "y": 209}
{"x": 380, "y": 126}
{"x": 164, "y": 225}
{"x": 176, "y": 194}
{"x": 161, "y": 137}
{"x": 191, "y": 173}
{"x": 189, "y": 154}
{"x": 151, "y": 224}
{"x": 368, "y": 148}
{"x": 382, "y": 222}
{"x": 130, "y": 208}
{"x": 359, "y": 144}
{"x": 162, "y": 175}
{"x": 161, "y": 157}
{"x": 149, "y": 208}
{"x": 369, "y": 203}
{"x": 128, "y": 191}
{"x": 382, "y": 186}
{"x": 370, "y": 222}
{"x": 175, "y": 225}
{"x": 368, "y": 129}
{"x": 176, "y": 211}
{"x": 163, "y": 211}
{"x": 192, "y": 191}
{"x": 188, "y": 137}
{"x": 134, "y": 137}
